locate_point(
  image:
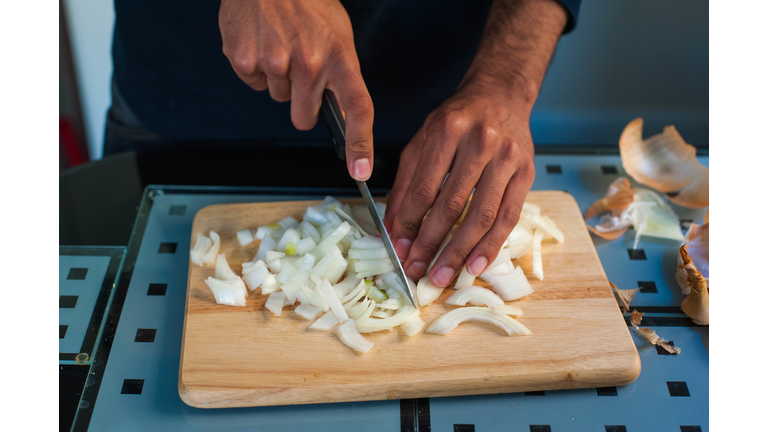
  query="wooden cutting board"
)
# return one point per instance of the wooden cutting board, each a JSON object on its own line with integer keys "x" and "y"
{"x": 246, "y": 356}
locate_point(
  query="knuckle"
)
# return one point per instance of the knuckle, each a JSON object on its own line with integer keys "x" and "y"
{"x": 276, "y": 62}
{"x": 511, "y": 152}
{"x": 422, "y": 195}
{"x": 408, "y": 228}
{"x": 485, "y": 216}
{"x": 308, "y": 63}
{"x": 452, "y": 208}
{"x": 487, "y": 139}
{"x": 360, "y": 105}
{"x": 451, "y": 123}
{"x": 244, "y": 63}
{"x": 457, "y": 254}
{"x": 509, "y": 217}
{"x": 492, "y": 245}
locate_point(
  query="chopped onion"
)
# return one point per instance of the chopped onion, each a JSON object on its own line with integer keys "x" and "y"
{"x": 520, "y": 241}
{"x": 308, "y": 230}
{"x": 315, "y": 298}
{"x": 245, "y": 237}
{"x": 256, "y": 278}
{"x": 305, "y": 245}
{"x": 511, "y": 286}
{"x": 223, "y": 271}
{"x": 261, "y": 232}
{"x": 202, "y": 246}
{"x": 227, "y": 292}
{"x": 368, "y": 254}
{"x": 250, "y": 267}
{"x": 294, "y": 284}
{"x": 465, "y": 279}
{"x": 325, "y": 322}
{"x": 413, "y": 325}
{"x": 375, "y": 324}
{"x": 338, "y": 266}
{"x": 346, "y": 286}
{"x": 394, "y": 303}
{"x": 502, "y": 269}
{"x": 543, "y": 222}
{"x": 213, "y": 252}
{"x": 267, "y": 244}
{"x": 351, "y": 221}
{"x": 290, "y": 236}
{"x": 336, "y": 307}
{"x": 376, "y": 294}
{"x": 270, "y": 284}
{"x": 286, "y": 272}
{"x": 349, "y": 335}
{"x": 538, "y": 267}
{"x": 308, "y": 312}
{"x": 368, "y": 242}
{"x": 275, "y": 302}
{"x": 326, "y": 244}
{"x": 379, "y": 313}
{"x": 503, "y": 258}
{"x": 475, "y": 295}
{"x": 449, "y": 321}
{"x": 322, "y": 266}
{"x": 306, "y": 263}
{"x": 507, "y": 310}
{"x": 426, "y": 292}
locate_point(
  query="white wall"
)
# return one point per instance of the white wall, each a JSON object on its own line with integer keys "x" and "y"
{"x": 90, "y": 24}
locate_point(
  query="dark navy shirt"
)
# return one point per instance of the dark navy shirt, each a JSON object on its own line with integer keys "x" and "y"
{"x": 171, "y": 72}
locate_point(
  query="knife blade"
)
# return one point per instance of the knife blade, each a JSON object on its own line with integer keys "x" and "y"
{"x": 333, "y": 118}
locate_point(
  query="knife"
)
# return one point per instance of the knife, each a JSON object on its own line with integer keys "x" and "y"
{"x": 338, "y": 126}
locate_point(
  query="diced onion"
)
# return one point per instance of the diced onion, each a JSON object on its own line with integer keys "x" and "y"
{"x": 308, "y": 312}
{"x": 213, "y": 252}
{"x": 426, "y": 292}
{"x": 267, "y": 244}
{"x": 413, "y": 325}
{"x": 502, "y": 269}
{"x": 325, "y": 322}
{"x": 290, "y": 236}
{"x": 245, "y": 237}
{"x": 465, "y": 279}
{"x": 270, "y": 284}
{"x": 250, "y": 267}
{"x": 333, "y": 301}
{"x": 538, "y": 267}
{"x": 449, "y": 321}
{"x": 202, "y": 246}
{"x": 375, "y": 324}
{"x": 229, "y": 292}
{"x": 223, "y": 271}
{"x": 275, "y": 302}
{"x": 256, "y": 278}
{"x": 349, "y": 335}
{"x": 511, "y": 286}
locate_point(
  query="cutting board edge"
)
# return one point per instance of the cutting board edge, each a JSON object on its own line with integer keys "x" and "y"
{"x": 208, "y": 397}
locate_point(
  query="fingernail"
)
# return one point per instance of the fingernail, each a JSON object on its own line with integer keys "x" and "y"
{"x": 416, "y": 270}
{"x": 444, "y": 276}
{"x": 362, "y": 169}
{"x": 477, "y": 266}
{"x": 402, "y": 247}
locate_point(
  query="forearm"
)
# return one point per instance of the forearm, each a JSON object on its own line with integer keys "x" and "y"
{"x": 517, "y": 44}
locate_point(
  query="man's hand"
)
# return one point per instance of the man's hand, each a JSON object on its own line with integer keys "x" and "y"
{"x": 481, "y": 138}
{"x": 296, "y": 49}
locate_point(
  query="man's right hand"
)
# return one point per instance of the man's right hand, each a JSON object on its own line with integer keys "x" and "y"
{"x": 296, "y": 49}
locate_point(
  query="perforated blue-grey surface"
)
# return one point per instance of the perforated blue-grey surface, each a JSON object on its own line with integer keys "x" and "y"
{"x": 82, "y": 292}
{"x": 138, "y": 390}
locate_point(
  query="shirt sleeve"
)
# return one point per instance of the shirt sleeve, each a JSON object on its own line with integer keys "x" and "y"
{"x": 572, "y": 7}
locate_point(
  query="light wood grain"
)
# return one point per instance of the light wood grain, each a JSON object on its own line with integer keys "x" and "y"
{"x": 246, "y": 356}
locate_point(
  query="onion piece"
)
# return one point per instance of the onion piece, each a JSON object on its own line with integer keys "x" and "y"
{"x": 511, "y": 286}
{"x": 256, "y": 278}
{"x": 202, "y": 246}
{"x": 520, "y": 241}
{"x": 275, "y": 302}
{"x": 245, "y": 237}
{"x": 507, "y": 310}
{"x": 502, "y": 258}
{"x": 696, "y": 305}
{"x": 338, "y": 266}
{"x": 308, "y": 312}
{"x": 270, "y": 284}
{"x": 325, "y": 322}
{"x": 213, "y": 252}
{"x": 223, "y": 271}
{"x": 368, "y": 242}
{"x": 449, "y": 321}
{"x": 368, "y": 254}
{"x": 287, "y": 271}
{"x": 346, "y": 286}
{"x": 267, "y": 244}
{"x": 475, "y": 295}
{"x": 426, "y": 292}
{"x": 382, "y": 313}
{"x": 356, "y": 310}
{"x": 292, "y": 286}
{"x": 227, "y": 292}
{"x": 250, "y": 267}
{"x": 543, "y": 222}
{"x": 336, "y": 235}
{"x": 666, "y": 163}
{"x": 315, "y": 298}
{"x": 308, "y": 230}
{"x": 366, "y": 313}
{"x": 503, "y": 269}
{"x": 350, "y": 337}
{"x": 384, "y": 268}
{"x": 413, "y": 325}
{"x": 394, "y": 303}
{"x": 465, "y": 279}
{"x": 305, "y": 245}
{"x": 375, "y": 324}
{"x": 333, "y": 301}
{"x": 538, "y": 267}
{"x": 352, "y": 221}
{"x": 290, "y": 236}
{"x": 322, "y": 267}
{"x": 306, "y": 262}
{"x": 261, "y": 232}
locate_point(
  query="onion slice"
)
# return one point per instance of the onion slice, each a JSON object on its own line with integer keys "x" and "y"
{"x": 350, "y": 337}
{"x": 512, "y": 286}
{"x": 465, "y": 279}
{"x": 413, "y": 325}
{"x": 308, "y": 312}
{"x": 202, "y": 246}
{"x": 375, "y": 324}
{"x": 223, "y": 270}
{"x": 213, "y": 252}
{"x": 449, "y": 321}
{"x": 227, "y": 292}
{"x": 245, "y": 237}
{"x": 275, "y": 302}
{"x": 475, "y": 295}
{"x": 426, "y": 292}
{"x": 538, "y": 266}
{"x": 325, "y": 322}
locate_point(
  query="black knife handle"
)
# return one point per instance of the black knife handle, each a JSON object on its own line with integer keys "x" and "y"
{"x": 336, "y": 124}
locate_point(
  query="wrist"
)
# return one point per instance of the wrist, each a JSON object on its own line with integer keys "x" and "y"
{"x": 514, "y": 89}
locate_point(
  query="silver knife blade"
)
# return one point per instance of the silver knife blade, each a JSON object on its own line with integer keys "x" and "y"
{"x": 387, "y": 241}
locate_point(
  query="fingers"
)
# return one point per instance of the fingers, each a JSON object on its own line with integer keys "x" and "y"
{"x": 306, "y": 91}
{"x": 409, "y": 159}
{"x": 480, "y": 217}
{"x": 446, "y": 210}
{"x": 348, "y": 86}
{"x": 509, "y": 213}
{"x": 437, "y": 154}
